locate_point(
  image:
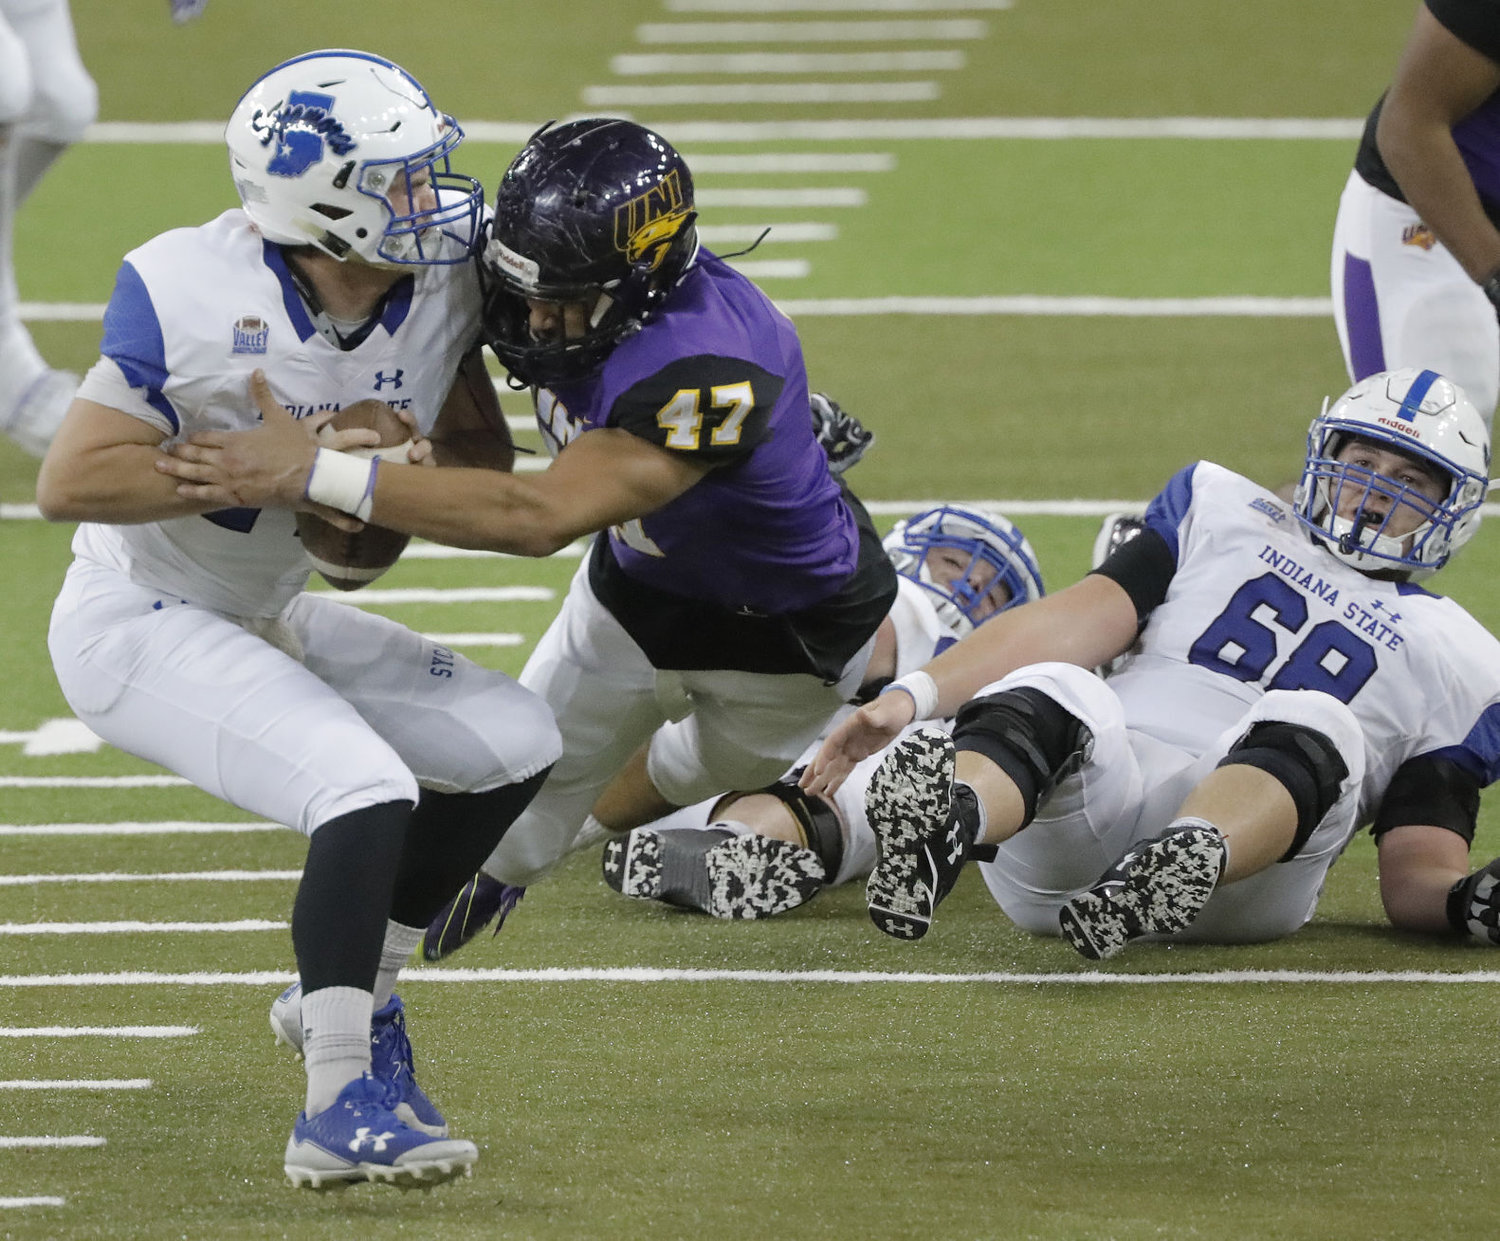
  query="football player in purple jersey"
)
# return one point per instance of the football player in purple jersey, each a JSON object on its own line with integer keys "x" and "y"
{"x": 729, "y": 602}
{"x": 1416, "y": 248}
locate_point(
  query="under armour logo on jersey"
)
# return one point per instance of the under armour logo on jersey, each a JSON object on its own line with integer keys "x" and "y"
{"x": 381, "y": 379}
{"x": 299, "y": 128}
{"x": 363, "y": 1136}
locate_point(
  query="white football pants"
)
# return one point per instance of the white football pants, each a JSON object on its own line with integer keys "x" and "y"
{"x": 1130, "y": 787}
{"x": 372, "y": 711}
{"x": 709, "y": 731}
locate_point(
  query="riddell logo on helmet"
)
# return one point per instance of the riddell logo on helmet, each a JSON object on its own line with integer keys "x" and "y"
{"x": 1396, "y": 425}
{"x": 646, "y": 222}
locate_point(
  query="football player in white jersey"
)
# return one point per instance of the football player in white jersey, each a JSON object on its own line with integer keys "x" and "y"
{"x": 1291, "y": 682}
{"x": 185, "y": 635}
{"x": 47, "y": 100}
{"x": 755, "y": 854}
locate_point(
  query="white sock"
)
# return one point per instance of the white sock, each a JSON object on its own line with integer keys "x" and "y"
{"x": 1189, "y": 820}
{"x": 400, "y": 943}
{"x": 335, "y": 1041}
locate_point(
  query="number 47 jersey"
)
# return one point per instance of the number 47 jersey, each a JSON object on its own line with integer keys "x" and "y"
{"x": 1257, "y": 604}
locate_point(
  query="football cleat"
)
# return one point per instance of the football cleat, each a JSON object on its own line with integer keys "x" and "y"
{"x": 662, "y": 866}
{"x": 359, "y": 1137}
{"x": 923, "y": 832}
{"x": 481, "y": 901}
{"x": 1159, "y": 887}
{"x": 38, "y": 412}
{"x": 721, "y": 873}
{"x": 842, "y": 436}
{"x": 390, "y": 1057}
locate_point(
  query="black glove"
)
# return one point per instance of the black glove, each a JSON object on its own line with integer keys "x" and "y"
{"x": 842, "y": 435}
{"x": 1474, "y": 904}
{"x": 1491, "y": 289}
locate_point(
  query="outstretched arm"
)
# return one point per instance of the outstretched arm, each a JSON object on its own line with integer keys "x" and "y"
{"x": 1088, "y": 624}
{"x": 602, "y": 478}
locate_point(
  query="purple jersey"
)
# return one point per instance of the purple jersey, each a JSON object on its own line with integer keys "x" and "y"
{"x": 719, "y": 377}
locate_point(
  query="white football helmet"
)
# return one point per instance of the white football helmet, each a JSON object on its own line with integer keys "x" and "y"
{"x": 1423, "y": 416}
{"x": 985, "y": 540}
{"x": 317, "y": 144}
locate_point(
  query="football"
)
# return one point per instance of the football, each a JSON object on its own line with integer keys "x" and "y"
{"x": 348, "y": 561}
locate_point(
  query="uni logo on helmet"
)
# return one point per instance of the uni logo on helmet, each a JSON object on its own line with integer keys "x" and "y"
{"x": 647, "y": 221}
{"x": 300, "y": 127}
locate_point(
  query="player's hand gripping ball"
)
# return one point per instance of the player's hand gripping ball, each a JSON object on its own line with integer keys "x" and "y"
{"x": 347, "y": 560}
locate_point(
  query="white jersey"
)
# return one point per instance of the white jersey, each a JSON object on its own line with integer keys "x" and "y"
{"x": 193, "y": 313}
{"x": 1257, "y": 604}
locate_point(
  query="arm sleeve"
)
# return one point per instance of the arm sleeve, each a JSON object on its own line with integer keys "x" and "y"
{"x": 1144, "y": 568}
{"x": 1475, "y": 22}
{"x": 1432, "y": 790}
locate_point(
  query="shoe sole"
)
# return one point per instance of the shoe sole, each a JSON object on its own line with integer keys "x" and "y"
{"x": 1177, "y": 875}
{"x": 633, "y": 865}
{"x": 757, "y": 877}
{"x": 911, "y": 789}
{"x": 425, "y": 1175}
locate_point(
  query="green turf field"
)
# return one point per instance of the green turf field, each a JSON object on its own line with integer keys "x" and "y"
{"x": 809, "y": 1078}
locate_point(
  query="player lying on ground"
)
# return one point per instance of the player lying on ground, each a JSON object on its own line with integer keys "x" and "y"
{"x": 754, "y": 854}
{"x": 1286, "y": 681}
{"x": 183, "y": 632}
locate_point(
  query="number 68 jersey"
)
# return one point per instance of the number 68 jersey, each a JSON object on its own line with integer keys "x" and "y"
{"x": 1257, "y": 604}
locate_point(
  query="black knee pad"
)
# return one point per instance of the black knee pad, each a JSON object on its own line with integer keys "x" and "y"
{"x": 1027, "y": 735}
{"x": 1304, "y": 761}
{"x": 817, "y": 818}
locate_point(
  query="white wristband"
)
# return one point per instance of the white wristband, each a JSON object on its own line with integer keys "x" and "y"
{"x": 923, "y": 690}
{"x": 344, "y": 482}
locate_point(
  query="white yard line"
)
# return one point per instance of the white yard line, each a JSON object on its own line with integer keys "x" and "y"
{"x": 828, "y": 196}
{"x": 122, "y": 1083}
{"x": 478, "y": 639}
{"x": 744, "y": 234}
{"x": 811, "y": 32}
{"x": 666, "y": 64}
{"x": 51, "y": 1142}
{"x": 652, "y": 974}
{"x": 99, "y": 1031}
{"x": 117, "y": 829}
{"x": 186, "y": 876}
{"x": 35, "y": 1200}
{"x": 126, "y": 927}
{"x": 610, "y": 96}
{"x": 835, "y": 6}
{"x": 773, "y": 269}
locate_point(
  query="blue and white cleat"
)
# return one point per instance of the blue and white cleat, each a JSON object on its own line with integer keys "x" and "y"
{"x": 360, "y": 1138}
{"x": 390, "y": 1057}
